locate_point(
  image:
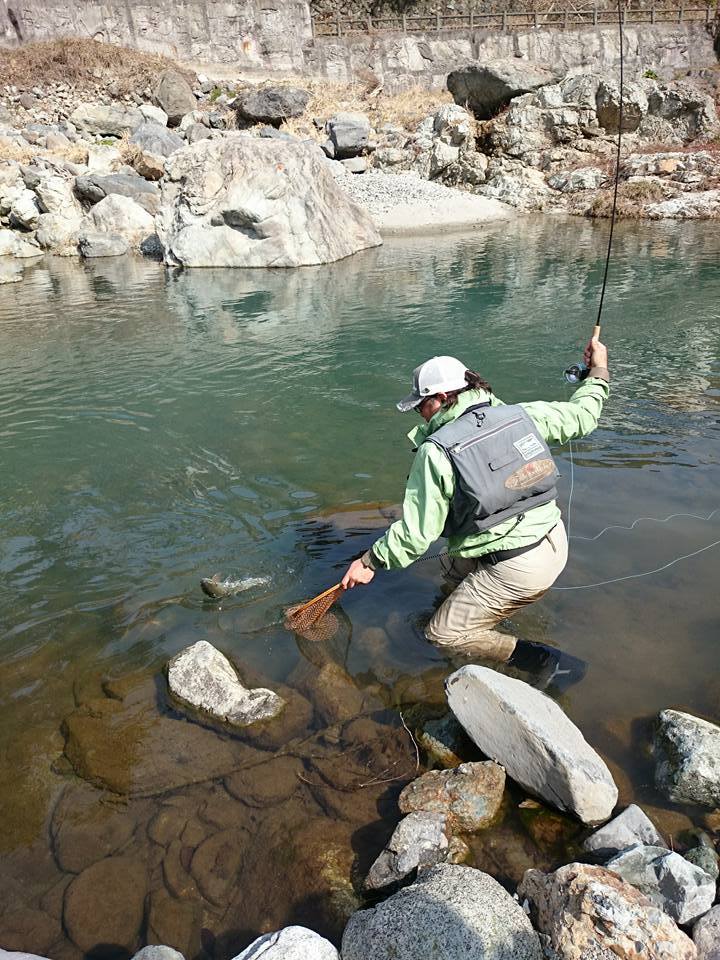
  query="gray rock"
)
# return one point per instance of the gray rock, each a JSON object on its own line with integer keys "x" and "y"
{"x": 469, "y": 795}
{"x": 155, "y": 138}
{"x": 102, "y": 245}
{"x": 13, "y": 245}
{"x": 272, "y": 104}
{"x": 56, "y": 142}
{"x": 158, "y": 953}
{"x": 706, "y": 935}
{"x": 704, "y": 205}
{"x": 536, "y": 743}
{"x": 629, "y": 828}
{"x": 10, "y": 271}
{"x": 105, "y": 121}
{"x": 453, "y": 124}
{"x": 588, "y": 913}
{"x": 419, "y": 841}
{"x": 443, "y": 740}
{"x": 682, "y": 890}
{"x": 706, "y": 859}
{"x": 151, "y": 166}
{"x": 273, "y": 134}
{"x": 95, "y": 187}
{"x": 154, "y": 114}
{"x": 290, "y": 943}
{"x": 355, "y": 164}
{"x": 450, "y": 911}
{"x": 58, "y": 233}
{"x": 174, "y": 94}
{"x": 203, "y": 678}
{"x": 635, "y": 106}
{"x": 195, "y": 132}
{"x": 488, "y": 87}
{"x": 349, "y": 134}
{"x": 24, "y": 210}
{"x": 687, "y": 753}
{"x": 116, "y": 214}
{"x": 271, "y": 204}
{"x": 570, "y": 181}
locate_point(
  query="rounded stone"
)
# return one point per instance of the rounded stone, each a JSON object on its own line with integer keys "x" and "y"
{"x": 105, "y": 904}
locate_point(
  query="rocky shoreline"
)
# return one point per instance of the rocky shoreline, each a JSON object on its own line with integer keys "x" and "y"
{"x": 208, "y": 174}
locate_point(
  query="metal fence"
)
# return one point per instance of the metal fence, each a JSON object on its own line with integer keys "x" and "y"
{"x": 508, "y": 20}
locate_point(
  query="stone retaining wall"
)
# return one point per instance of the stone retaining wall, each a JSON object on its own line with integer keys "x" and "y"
{"x": 276, "y": 36}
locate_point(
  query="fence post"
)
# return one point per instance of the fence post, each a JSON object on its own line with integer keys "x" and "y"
{"x": 595, "y": 15}
{"x": 437, "y": 21}
{"x": 404, "y": 23}
{"x": 681, "y": 13}
{"x": 337, "y": 24}
{"x": 369, "y": 24}
{"x": 535, "y": 12}
{"x": 565, "y": 19}
{"x": 504, "y": 21}
{"x": 472, "y": 19}
{"x": 652, "y": 12}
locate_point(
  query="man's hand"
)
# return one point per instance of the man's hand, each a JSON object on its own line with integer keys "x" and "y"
{"x": 357, "y": 573}
{"x": 596, "y": 354}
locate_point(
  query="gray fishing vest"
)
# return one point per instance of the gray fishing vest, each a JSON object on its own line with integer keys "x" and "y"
{"x": 502, "y": 467}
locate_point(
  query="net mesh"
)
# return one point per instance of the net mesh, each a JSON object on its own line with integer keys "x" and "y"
{"x": 312, "y": 619}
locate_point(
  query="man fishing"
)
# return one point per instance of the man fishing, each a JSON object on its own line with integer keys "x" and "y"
{"x": 483, "y": 477}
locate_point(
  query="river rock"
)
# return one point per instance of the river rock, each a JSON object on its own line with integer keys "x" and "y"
{"x": 153, "y": 113}
{"x": 121, "y": 216}
{"x": 105, "y": 904}
{"x": 176, "y": 923}
{"x": 102, "y": 158}
{"x": 588, "y": 912}
{"x": 13, "y": 245}
{"x": 55, "y": 195}
{"x": 444, "y": 741}
{"x": 203, "y": 678}
{"x": 687, "y": 758}
{"x": 272, "y": 105}
{"x": 197, "y": 131}
{"x": 58, "y": 233}
{"x": 349, "y": 135}
{"x": 158, "y": 953}
{"x": 419, "y": 841}
{"x": 628, "y": 829}
{"x": 485, "y": 88}
{"x": 469, "y": 795}
{"x": 584, "y": 178}
{"x": 678, "y": 887}
{"x": 95, "y": 187}
{"x": 530, "y": 736}
{"x": 216, "y": 864}
{"x": 266, "y": 784}
{"x": 151, "y": 166}
{"x": 174, "y": 94}
{"x": 704, "y": 205}
{"x": 155, "y": 138}
{"x": 290, "y": 943}
{"x": 706, "y": 935}
{"x": 24, "y": 210}
{"x": 246, "y": 202}
{"x": 450, "y": 911}
{"x": 102, "y": 245}
{"x": 330, "y": 689}
{"x": 705, "y": 858}
{"x": 10, "y": 271}
{"x": 83, "y": 830}
{"x": 105, "y": 120}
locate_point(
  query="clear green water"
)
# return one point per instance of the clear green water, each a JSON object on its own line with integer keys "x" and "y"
{"x": 159, "y": 427}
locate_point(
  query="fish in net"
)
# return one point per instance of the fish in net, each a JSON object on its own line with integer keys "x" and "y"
{"x": 313, "y": 619}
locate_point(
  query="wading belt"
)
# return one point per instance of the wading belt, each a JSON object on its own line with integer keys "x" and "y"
{"x": 497, "y": 556}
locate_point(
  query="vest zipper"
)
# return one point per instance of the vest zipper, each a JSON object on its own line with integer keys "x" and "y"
{"x": 459, "y": 447}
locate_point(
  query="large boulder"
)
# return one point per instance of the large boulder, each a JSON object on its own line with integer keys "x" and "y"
{"x": 485, "y": 88}
{"x": 678, "y": 887}
{"x": 469, "y": 795}
{"x": 203, "y": 678}
{"x": 628, "y": 829}
{"x": 450, "y": 911}
{"x": 528, "y": 734}
{"x": 687, "y": 757}
{"x": 13, "y": 244}
{"x": 95, "y": 187}
{"x": 122, "y": 217}
{"x": 174, "y": 94}
{"x": 634, "y": 106}
{"x": 246, "y": 202}
{"x": 587, "y": 912}
{"x": 272, "y": 105}
{"x": 156, "y": 139}
{"x": 105, "y": 121}
{"x": 290, "y": 943}
{"x": 706, "y": 935}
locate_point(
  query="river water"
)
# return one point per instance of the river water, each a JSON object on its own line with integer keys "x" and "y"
{"x": 157, "y": 427}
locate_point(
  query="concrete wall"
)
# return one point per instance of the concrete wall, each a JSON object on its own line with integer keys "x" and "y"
{"x": 276, "y": 36}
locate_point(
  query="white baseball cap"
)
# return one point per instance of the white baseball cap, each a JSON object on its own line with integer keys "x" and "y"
{"x": 437, "y": 375}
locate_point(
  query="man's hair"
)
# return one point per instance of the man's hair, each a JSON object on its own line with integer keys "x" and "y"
{"x": 474, "y": 382}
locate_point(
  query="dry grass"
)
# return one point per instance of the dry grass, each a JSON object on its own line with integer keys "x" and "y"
{"x": 632, "y": 199}
{"x": 26, "y": 152}
{"x": 76, "y": 61}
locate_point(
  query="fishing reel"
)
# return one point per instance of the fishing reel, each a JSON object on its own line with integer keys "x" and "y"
{"x": 576, "y": 372}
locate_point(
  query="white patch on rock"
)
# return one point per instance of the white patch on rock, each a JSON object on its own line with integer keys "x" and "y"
{"x": 202, "y": 677}
{"x": 530, "y": 736}
{"x": 290, "y": 943}
{"x": 121, "y": 216}
{"x": 421, "y": 839}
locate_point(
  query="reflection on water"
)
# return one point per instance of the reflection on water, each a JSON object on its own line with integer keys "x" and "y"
{"x": 159, "y": 427}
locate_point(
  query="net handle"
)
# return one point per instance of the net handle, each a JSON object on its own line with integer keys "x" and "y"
{"x": 320, "y": 596}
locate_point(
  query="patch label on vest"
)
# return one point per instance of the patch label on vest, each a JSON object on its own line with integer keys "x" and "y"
{"x": 528, "y": 446}
{"x": 530, "y": 474}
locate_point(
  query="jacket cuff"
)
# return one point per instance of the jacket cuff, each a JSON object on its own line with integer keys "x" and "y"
{"x": 600, "y": 373}
{"x": 369, "y": 560}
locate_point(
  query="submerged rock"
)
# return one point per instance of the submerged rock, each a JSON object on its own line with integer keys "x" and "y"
{"x": 450, "y": 911}
{"x": 246, "y": 202}
{"x": 536, "y": 743}
{"x": 682, "y": 890}
{"x": 105, "y": 904}
{"x": 469, "y": 795}
{"x": 203, "y": 678}
{"x": 290, "y": 943}
{"x": 588, "y": 912}
{"x": 266, "y": 784}
{"x": 419, "y": 841}
{"x": 687, "y": 757}
{"x": 175, "y": 922}
{"x": 84, "y": 830}
{"x": 629, "y": 828}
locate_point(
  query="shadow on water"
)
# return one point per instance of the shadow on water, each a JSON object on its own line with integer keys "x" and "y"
{"x": 159, "y": 427}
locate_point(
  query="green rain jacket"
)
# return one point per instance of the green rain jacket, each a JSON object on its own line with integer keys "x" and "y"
{"x": 431, "y": 485}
